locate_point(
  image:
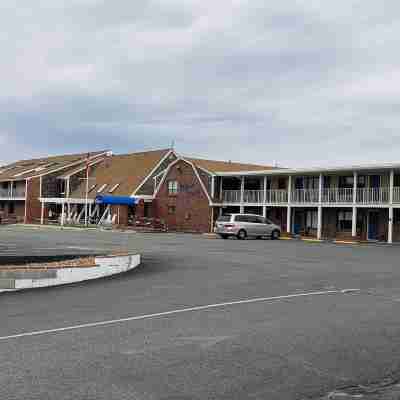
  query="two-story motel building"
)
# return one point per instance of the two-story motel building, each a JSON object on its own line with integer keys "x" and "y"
{"x": 188, "y": 194}
{"x": 359, "y": 202}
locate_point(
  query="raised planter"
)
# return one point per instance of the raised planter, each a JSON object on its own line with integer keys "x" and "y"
{"x": 31, "y": 278}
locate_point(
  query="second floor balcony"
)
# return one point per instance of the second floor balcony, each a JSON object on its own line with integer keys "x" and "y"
{"x": 364, "y": 196}
{"x": 16, "y": 193}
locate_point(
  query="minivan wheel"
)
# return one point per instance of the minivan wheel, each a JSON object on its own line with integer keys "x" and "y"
{"x": 275, "y": 235}
{"x": 242, "y": 234}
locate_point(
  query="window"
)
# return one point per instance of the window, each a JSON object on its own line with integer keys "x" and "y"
{"x": 344, "y": 221}
{"x": 361, "y": 181}
{"x": 311, "y": 182}
{"x": 147, "y": 209}
{"x": 172, "y": 187}
{"x": 224, "y": 218}
{"x": 11, "y": 208}
{"x": 61, "y": 186}
{"x": 5, "y": 185}
{"x": 2, "y": 206}
{"x": 282, "y": 183}
{"x": 171, "y": 210}
{"x": 311, "y": 219}
{"x": 346, "y": 181}
{"x": 298, "y": 183}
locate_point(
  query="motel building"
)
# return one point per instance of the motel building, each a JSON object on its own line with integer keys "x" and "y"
{"x": 164, "y": 190}
{"x": 354, "y": 203}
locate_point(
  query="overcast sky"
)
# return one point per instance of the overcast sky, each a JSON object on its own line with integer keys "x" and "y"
{"x": 299, "y": 82}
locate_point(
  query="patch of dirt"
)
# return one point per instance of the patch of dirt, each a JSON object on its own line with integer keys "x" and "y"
{"x": 83, "y": 262}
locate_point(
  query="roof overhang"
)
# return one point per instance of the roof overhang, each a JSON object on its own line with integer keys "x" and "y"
{"x": 316, "y": 170}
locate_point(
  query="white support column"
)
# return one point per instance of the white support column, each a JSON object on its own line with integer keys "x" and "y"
{"x": 289, "y": 219}
{"x": 355, "y": 187}
{"x": 319, "y": 227}
{"x": 390, "y": 222}
{"x": 62, "y": 213}
{"x": 290, "y": 189}
{"x": 67, "y": 194}
{"x": 320, "y": 186}
{"x": 42, "y": 214}
{"x": 220, "y": 189}
{"x": 242, "y": 195}
{"x": 11, "y": 189}
{"x": 354, "y": 222}
{"x": 391, "y": 185}
{"x": 213, "y": 187}
{"x": 265, "y": 190}
{"x": 390, "y": 225}
{"x": 264, "y": 211}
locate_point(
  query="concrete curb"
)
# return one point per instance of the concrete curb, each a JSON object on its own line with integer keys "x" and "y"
{"x": 106, "y": 266}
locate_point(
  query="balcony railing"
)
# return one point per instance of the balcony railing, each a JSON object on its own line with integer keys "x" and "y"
{"x": 277, "y": 196}
{"x": 305, "y": 196}
{"x": 337, "y": 195}
{"x": 231, "y": 196}
{"x": 253, "y": 196}
{"x": 379, "y": 195}
{"x": 396, "y": 194}
{"x": 16, "y": 193}
{"x": 373, "y": 195}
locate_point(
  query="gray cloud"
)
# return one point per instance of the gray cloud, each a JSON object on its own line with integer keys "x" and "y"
{"x": 301, "y": 82}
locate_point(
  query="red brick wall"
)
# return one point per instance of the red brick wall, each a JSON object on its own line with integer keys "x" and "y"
{"x": 33, "y": 206}
{"x": 192, "y": 210}
{"x": 19, "y": 211}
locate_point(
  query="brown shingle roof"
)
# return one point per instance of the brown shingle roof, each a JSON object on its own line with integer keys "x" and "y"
{"x": 226, "y": 166}
{"x": 23, "y": 169}
{"x": 127, "y": 170}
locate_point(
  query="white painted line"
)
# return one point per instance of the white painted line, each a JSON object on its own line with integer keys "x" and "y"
{"x": 174, "y": 312}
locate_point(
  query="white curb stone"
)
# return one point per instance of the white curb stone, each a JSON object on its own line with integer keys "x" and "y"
{"x": 106, "y": 266}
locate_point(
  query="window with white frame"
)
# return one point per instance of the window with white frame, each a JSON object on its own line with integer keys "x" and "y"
{"x": 173, "y": 187}
{"x": 344, "y": 221}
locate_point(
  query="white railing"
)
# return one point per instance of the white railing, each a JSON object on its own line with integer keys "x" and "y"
{"x": 276, "y": 196}
{"x": 231, "y": 196}
{"x": 337, "y": 195}
{"x": 396, "y": 194}
{"x": 16, "y": 193}
{"x": 253, "y": 196}
{"x": 305, "y": 196}
{"x": 373, "y": 195}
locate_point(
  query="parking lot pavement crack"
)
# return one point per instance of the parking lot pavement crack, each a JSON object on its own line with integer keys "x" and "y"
{"x": 386, "y": 389}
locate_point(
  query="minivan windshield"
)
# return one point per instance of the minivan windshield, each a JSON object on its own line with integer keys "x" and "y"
{"x": 224, "y": 218}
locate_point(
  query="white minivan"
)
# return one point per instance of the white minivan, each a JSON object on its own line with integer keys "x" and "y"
{"x": 246, "y": 225}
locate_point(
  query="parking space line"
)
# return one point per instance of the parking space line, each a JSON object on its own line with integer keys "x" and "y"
{"x": 178, "y": 311}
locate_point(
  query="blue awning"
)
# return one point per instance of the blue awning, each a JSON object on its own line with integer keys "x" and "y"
{"x": 116, "y": 200}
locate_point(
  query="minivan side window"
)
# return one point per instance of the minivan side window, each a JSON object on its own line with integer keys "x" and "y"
{"x": 241, "y": 218}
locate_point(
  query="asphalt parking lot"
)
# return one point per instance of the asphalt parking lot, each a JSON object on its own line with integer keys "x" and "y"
{"x": 293, "y": 343}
